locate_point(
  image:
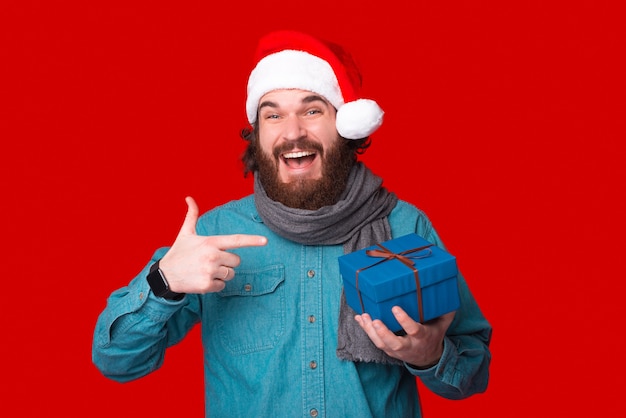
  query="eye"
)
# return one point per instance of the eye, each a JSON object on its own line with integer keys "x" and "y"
{"x": 313, "y": 111}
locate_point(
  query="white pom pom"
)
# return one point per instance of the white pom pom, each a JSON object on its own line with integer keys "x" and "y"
{"x": 359, "y": 119}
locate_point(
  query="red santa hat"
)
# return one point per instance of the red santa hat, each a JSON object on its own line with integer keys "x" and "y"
{"x": 294, "y": 60}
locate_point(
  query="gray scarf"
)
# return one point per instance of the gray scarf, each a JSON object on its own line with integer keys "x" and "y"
{"x": 357, "y": 220}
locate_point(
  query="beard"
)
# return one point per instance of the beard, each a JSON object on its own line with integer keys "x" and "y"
{"x": 309, "y": 194}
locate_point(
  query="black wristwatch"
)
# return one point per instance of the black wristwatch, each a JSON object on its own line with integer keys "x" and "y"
{"x": 158, "y": 284}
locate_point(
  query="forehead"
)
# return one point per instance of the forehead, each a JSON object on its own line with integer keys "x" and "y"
{"x": 283, "y": 97}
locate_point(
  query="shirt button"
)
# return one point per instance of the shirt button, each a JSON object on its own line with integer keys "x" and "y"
{"x": 313, "y": 412}
{"x": 313, "y": 365}
{"x": 140, "y": 295}
{"x": 310, "y": 273}
{"x": 311, "y": 318}
{"x": 247, "y": 287}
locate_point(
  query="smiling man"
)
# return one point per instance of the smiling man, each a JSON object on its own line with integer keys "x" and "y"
{"x": 261, "y": 273}
{"x": 301, "y": 161}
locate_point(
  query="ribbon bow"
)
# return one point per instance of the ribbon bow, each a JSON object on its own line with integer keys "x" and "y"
{"x": 387, "y": 254}
{"x": 405, "y": 259}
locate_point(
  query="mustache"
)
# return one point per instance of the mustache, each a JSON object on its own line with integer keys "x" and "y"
{"x": 302, "y": 144}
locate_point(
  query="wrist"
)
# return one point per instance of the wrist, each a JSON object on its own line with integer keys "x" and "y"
{"x": 159, "y": 284}
{"x": 426, "y": 366}
{"x": 430, "y": 364}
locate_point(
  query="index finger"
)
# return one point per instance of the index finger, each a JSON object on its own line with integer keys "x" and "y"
{"x": 229, "y": 242}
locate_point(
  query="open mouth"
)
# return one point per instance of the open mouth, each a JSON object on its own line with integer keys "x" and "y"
{"x": 298, "y": 159}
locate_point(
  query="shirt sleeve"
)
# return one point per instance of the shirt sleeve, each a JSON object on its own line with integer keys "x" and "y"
{"x": 135, "y": 328}
{"x": 463, "y": 369}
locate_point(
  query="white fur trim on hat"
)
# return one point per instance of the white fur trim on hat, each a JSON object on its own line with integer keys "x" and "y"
{"x": 291, "y": 69}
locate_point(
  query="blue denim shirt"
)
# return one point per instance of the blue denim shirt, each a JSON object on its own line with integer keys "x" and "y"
{"x": 270, "y": 336}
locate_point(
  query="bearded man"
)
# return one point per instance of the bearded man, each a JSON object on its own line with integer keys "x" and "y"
{"x": 261, "y": 273}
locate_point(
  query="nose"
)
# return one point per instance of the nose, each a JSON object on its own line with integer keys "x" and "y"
{"x": 293, "y": 129}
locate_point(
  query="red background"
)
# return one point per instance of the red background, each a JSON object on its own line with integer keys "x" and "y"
{"x": 504, "y": 122}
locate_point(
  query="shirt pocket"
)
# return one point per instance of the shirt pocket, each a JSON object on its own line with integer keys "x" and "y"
{"x": 251, "y": 313}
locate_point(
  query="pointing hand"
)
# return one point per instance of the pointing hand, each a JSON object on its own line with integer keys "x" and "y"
{"x": 201, "y": 264}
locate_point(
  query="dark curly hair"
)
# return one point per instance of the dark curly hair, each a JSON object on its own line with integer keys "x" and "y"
{"x": 248, "y": 157}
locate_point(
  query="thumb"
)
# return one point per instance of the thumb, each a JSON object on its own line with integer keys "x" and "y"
{"x": 191, "y": 218}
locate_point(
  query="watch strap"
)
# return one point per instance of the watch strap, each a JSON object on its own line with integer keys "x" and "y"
{"x": 159, "y": 285}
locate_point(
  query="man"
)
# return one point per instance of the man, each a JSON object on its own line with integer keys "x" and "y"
{"x": 261, "y": 273}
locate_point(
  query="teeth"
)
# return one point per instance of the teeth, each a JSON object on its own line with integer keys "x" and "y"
{"x": 298, "y": 154}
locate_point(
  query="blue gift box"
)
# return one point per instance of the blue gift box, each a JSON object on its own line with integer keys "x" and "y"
{"x": 384, "y": 275}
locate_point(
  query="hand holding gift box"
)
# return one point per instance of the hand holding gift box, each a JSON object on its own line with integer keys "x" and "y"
{"x": 408, "y": 272}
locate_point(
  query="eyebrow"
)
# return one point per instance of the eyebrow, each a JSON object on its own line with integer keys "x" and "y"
{"x": 308, "y": 99}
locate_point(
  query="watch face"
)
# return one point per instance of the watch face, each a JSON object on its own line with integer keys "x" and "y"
{"x": 157, "y": 282}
